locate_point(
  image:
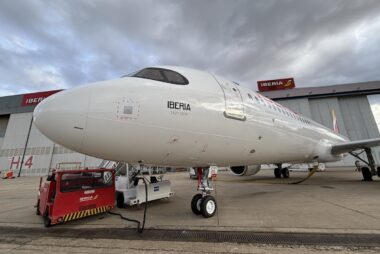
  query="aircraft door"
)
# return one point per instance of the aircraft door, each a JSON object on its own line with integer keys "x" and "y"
{"x": 233, "y": 99}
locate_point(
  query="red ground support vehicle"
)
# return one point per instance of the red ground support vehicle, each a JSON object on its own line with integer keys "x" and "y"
{"x": 73, "y": 194}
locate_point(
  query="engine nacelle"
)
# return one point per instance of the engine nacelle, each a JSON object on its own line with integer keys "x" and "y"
{"x": 245, "y": 170}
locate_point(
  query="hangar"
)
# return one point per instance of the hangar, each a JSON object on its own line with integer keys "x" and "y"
{"x": 355, "y": 105}
{"x": 24, "y": 149}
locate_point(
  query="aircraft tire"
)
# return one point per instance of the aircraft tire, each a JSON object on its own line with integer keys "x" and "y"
{"x": 196, "y": 202}
{"x": 119, "y": 200}
{"x": 38, "y": 208}
{"x": 208, "y": 206}
{"x": 47, "y": 221}
{"x": 277, "y": 172}
{"x": 378, "y": 171}
{"x": 367, "y": 176}
{"x": 285, "y": 172}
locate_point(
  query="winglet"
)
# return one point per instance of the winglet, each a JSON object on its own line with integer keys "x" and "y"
{"x": 335, "y": 122}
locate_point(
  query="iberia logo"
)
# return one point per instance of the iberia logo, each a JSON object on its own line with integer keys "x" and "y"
{"x": 275, "y": 84}
{"x": 289, "y": 83}
{"x": 89, "y": 198}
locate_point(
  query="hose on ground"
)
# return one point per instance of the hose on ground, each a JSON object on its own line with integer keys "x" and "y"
{"x": 140, "y": 225}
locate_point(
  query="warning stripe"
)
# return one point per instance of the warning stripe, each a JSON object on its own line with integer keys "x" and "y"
{"x": 85, "y": 213}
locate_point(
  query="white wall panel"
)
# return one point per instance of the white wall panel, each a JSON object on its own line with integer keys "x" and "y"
{"x": 17, "y": 130}
{"x": 67, "y": 158}
{"x": 92, "y": 162}
{"x": 37, "y": 139}
{"x": 300, "y": 106}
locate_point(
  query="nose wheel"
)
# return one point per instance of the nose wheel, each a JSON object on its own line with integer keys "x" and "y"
{"x": 205, "y": 206}
{"x": 196, "y": 204}
{"x": 203, "y": 203}
{"x": 208, "y": 206}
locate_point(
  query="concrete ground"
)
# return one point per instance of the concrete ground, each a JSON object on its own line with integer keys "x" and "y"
{"x": 331, "y": 202}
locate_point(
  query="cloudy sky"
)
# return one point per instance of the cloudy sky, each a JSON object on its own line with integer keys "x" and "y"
{"x": 59, "y": 44}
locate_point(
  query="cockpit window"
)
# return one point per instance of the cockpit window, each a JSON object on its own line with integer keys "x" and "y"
{"x": 174, "y": 77}
{"x": 150, "y": 73}
{"x": 163, "y": 75}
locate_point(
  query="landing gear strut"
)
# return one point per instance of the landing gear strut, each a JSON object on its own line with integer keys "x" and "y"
{"x": 372, "y": 170}
{"x": 203, "y": 203}
{"x": 279, "y": 171}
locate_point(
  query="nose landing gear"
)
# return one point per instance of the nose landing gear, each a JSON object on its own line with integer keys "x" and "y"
{"x": 203, "y": 203}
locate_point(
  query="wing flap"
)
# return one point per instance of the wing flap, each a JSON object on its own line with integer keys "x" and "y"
{"x": 354, "y": 145}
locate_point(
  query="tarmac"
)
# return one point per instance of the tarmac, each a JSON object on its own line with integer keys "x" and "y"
{"x": 332, "y": 212}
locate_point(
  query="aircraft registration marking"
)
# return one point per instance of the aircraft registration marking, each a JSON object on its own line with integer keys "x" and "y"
{"x": 179, "y": 108}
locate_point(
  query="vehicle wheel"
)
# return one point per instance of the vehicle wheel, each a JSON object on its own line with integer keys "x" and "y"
{"x": 38, "y": 208}
{"x": 119, "y": 200}
{"x": 196, "y": 204}
{"x": 367, "y": 176}
{"x": 208, "y": 206}
{"x": 47, "y": 221}
{"x": 285, "y": 173}
{"x": 277, "y": 172}
{"x": 378, "y": 171}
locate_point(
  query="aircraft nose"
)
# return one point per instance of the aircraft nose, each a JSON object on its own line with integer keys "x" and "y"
{"x": 62, "y": 117}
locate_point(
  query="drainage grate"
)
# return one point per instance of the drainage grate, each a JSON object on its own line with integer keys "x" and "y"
{"x": 359, "y": 240}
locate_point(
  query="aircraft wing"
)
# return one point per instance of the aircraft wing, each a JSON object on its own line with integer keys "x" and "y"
{"x": 354, "y": 145}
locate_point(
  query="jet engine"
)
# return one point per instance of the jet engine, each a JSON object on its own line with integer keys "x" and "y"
{"x": 245, "y": 170}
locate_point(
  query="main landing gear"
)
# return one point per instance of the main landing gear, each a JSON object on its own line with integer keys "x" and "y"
{"x": 279, "y": 171}
{"x": 371, "y": 170}
{"x": 203, "y": 203}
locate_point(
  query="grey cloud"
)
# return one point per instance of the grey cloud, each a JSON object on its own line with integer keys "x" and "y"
{"x": 51, "y": 44}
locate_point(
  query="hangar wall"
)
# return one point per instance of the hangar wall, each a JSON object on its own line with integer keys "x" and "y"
{"x": 41, "y": 153}
{"x": 353, "y": 113}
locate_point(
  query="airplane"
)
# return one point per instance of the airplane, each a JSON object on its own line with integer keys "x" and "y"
{"x": 182, "y": 117}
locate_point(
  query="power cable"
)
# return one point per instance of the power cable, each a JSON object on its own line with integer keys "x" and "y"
{"x": 142, "y": 224}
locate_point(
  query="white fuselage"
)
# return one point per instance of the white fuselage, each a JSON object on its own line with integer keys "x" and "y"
{"x": 210, "y": 121}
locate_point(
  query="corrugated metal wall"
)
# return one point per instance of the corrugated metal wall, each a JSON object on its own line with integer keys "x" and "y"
{"x": 353, "y": 113}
